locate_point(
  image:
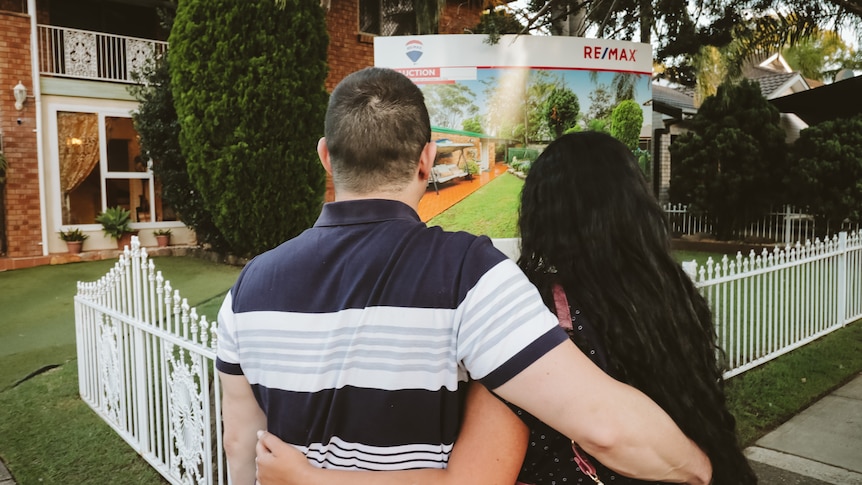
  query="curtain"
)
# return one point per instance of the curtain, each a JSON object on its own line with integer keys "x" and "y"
{"x": 79, "y": 147}
{"x": 78, "y": 143}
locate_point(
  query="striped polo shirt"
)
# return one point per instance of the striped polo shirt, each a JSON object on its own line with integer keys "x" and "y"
{"x": 358, "y": 336}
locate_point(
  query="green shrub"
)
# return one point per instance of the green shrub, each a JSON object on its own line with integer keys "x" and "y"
{"x": 825, "y": 170}
{"x": 561, "y": 110}
{"x": 731, "y": 162}
{"x": 248, "y": 86}
{"x": 157, "y": 124}
{"x": 626, "y": 122}
{"x": 115, "y": 221}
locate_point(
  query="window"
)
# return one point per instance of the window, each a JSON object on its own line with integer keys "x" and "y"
{"x": 100, "y": 166}
{"x": 387, "y": 17}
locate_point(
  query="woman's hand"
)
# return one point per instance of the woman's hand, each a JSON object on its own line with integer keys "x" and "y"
{"x": 279, "y": 463}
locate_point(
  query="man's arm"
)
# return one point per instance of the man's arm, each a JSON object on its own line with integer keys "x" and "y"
{"x": 489, "y": 451}
{"x": 242, "y": 419}
{"x": 615, "y": 423}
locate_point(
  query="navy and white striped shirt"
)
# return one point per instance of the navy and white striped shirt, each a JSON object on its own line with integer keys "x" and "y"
{"x": 358, "y": 336}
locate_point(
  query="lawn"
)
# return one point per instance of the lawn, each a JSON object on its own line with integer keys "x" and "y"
{"x": 47, "y": 434}
{"x": 37, "y": 328}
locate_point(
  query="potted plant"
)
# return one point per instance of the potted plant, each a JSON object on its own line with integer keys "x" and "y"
{"x": 74, "y": 239}
{"x": 163, "y": 237}
{"x": 472, "y": 168}
{"x": 117, "y": 224}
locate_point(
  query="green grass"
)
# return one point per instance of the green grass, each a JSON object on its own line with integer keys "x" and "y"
{"x": 48, "y": 435}
{"x": 38, "y": 327}
{"x": 492, "y": 210}
{"x": 766, "y": 396}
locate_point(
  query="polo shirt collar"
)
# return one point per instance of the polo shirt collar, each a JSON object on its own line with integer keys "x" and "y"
{"x": 364, "y": 211}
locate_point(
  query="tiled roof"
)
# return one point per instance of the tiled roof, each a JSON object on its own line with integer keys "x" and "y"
{"x": 770, "y": 83}
{"x": 672, "y": 97}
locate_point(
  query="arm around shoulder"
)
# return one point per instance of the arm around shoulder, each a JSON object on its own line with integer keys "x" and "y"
{"x": 615, "y": 423}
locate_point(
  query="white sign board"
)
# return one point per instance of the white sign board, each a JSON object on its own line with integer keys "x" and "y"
{"x": 501, "y": 88}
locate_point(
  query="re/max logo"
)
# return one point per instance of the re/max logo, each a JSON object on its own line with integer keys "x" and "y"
{"x": 609, "y": 53}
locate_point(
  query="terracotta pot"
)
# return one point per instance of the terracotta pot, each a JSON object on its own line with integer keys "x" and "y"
{"x": 163, "y": 240}
{"x": 126, "y": 240}
{"x": 74, "y": 247}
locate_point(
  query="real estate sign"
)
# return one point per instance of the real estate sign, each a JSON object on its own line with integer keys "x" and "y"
{"x": 503, "y": 90}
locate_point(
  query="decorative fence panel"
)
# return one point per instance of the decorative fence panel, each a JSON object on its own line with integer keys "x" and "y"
{"x": 146, "y": 366}
{"x": 768, "y": 304}
{"x": 82, "y": 54}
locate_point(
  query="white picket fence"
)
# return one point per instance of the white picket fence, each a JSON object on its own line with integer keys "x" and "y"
{"x": 146, "y": 366}
{"x": 146, "y": 361}
{"x": 765, "y": 305}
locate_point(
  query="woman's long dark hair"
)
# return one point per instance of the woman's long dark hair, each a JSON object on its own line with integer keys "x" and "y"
{"x": 589, "y": 222}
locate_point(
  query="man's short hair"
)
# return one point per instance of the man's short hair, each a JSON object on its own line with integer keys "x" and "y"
{"x": 376, "y": 128}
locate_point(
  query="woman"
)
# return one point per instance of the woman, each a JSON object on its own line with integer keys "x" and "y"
{"x": 593, "y": 235}
{"x": 590, "y": 224}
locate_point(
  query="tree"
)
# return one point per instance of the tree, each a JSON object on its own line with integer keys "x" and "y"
{"x": 678, "y": 29}
{"x": 449, "y": 104}
{"x": 248, "y": 86}
{"x": 821, "y": 56}
{"x": 561, "y": 110}
{"x": 473, "y": 125}
{"x": 156, "y": 123}
{"x": 600, "y": 103}
{"x": 515, "y": 103}
{"x": 627, "y": 119}
{"x": 730, "y": 163}
{"x": 825, "y": 170}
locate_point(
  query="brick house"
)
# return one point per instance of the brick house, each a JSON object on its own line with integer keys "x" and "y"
{"x": 72, "y": 149}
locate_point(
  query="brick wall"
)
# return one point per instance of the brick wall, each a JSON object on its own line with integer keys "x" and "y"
{"x": 460, "y": 17}
{"x": 23, "y": 216}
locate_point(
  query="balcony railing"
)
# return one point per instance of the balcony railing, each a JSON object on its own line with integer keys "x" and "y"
{"x": 98, "y": 56}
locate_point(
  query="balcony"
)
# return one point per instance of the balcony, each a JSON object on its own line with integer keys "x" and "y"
{"x": 94, "y": 56}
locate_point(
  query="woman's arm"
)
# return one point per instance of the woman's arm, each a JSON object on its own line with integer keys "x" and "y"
{"x": 489, "y": 450}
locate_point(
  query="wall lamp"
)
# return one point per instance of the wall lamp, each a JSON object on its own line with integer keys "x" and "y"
{"x": 20, "y": 95}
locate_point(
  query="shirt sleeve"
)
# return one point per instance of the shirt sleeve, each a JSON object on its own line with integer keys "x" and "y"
{"x": 227, "y": 353}
{"x": 505, "y": 326}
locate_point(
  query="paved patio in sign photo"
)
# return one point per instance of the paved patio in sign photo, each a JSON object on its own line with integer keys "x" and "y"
{"x": 454, "y": 191}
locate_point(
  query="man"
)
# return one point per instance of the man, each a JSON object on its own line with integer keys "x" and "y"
{"x": 354, "y": 341}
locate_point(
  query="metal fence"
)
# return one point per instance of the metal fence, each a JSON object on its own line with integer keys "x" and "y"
{"x": 146, "y": 366}
{"x": 83, "y": 54}
{"x": 787, "y": 225}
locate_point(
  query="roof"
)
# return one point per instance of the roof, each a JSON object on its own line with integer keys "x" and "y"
{"x": 771, "y": 83}
{"x": 825, "y": 103}
{"x": 672, "y": 102}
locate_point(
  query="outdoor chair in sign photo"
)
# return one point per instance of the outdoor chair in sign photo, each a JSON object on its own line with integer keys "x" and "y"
{"x": 444, "y": 172}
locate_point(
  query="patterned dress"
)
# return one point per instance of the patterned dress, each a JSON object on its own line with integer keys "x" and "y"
{"x": 549, "y": 459}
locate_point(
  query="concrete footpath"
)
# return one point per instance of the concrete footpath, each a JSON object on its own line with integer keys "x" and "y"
{"x": 822, "y": 445}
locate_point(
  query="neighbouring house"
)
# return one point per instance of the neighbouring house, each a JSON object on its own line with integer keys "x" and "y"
{"x": 71, "y": 146}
